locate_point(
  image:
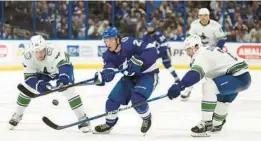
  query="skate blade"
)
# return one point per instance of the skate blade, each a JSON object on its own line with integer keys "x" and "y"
{"x": 95, "y": 132}
{"x": 205, "y": 134}
{"x": 11, "y": 127}
{"x": 88, "y": 130}
{"x": 184, "y": 99}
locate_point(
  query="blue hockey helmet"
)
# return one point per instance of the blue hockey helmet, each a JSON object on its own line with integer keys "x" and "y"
{"x": 150, "y": 25}
{"x": 110, "y": 32}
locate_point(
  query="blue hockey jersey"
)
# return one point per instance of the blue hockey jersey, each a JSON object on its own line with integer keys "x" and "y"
{"x": 133, "y": 47}
{"x": 158, "y": 39}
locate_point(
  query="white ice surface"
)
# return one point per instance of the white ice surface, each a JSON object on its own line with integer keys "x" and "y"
{"x": 172, "y": 120}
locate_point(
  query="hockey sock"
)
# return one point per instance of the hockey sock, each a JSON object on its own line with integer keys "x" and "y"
{"x": 111, "y": 106}
{"x": 220, "y": 113}
{"x": 207, "y": 108}
{"x": 209, "y": 99}
{"x": 143, "y": 110}
{"x": 76, "y": 105}
{"x": 22, "y": 102}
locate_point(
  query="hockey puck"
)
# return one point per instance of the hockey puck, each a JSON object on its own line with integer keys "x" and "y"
{"x": 55, "y": 102}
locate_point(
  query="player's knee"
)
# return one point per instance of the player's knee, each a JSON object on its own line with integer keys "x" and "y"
{"x": 210, "y": 87}
{"x": 111, "y": 105}
{"x": 226, "y": 98}
{"x": 136, "y": 98}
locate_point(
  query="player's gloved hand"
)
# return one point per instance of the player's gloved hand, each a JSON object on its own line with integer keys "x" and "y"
{"x": 134, "y": 66}
{"x": 106, "y": 75}
{"x": 62, "y": 81}
{"x": 98, "y": 79}
{"x": 43, "y": 86}
{"x": 175, "y": 89}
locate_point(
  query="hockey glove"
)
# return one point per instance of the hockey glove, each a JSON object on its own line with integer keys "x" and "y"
{"x": 175, "y": 89}
{"x": 62, "y": 81}
{"x": 134, "y": 66}
{"x": 43, "y": 86}
{"x": 98, "y": 79}
{"x": 106, "y": 75}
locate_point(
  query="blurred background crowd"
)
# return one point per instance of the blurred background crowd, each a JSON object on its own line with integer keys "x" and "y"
{"x": 241, "y": 20}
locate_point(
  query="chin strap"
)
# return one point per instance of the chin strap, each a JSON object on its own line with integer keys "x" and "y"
{"x": 118, "y": 43}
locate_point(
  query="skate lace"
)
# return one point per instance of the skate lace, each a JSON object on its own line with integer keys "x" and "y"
{"x": 145, "y": 123}
{"x": 104, "y": 126}
{"x": 201, "y": 124}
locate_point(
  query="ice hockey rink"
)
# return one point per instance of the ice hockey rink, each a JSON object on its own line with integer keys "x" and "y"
{"x": 172, "y": 120}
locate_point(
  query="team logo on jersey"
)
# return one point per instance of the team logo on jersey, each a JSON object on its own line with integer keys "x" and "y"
{"x": 124, "y": 39}
{"x": 204, "y": 39}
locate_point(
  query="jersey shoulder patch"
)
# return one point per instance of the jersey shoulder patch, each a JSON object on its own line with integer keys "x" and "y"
{"x": 124, "y": 39}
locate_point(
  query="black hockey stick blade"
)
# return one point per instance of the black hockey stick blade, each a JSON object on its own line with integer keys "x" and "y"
{"x": 25, "y": 91}
{"x": 50, "y": 123}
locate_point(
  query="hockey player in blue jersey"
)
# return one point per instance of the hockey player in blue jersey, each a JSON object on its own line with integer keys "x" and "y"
{"x": 155, "y": 36}
{"x": 140, "y": 77}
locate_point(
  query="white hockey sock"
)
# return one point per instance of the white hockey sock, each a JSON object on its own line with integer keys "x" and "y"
{"x": 146, "y": 114}
{"x": 220, "y": 113}
{"x": 75, "y": 103}
{"x": 208, "y": 103}
{"x": 22, "y": 102}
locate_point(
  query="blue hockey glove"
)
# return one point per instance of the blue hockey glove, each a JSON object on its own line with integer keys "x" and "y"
{"x": 43, "y": 86}
{"x": 106, "y": 75}
{"x": 62, "y": 81}
{"x": 98, "y": 79}
{"x": 175, "y": 89}
{"x": 134, "y": 66}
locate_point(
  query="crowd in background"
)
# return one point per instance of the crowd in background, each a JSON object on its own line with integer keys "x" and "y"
{"x": 241, "y": 20}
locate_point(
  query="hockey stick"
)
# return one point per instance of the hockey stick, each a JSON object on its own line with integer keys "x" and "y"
{"x": 51, "y": 124}
{"x": 31, "y": 94}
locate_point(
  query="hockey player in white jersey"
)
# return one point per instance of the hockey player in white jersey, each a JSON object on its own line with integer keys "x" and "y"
{"x": 43, "y": 63}
{"x": 211, "y": 34}
{"x": 226, "y": 77}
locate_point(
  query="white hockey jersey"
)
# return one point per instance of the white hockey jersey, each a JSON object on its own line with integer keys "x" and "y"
{"x": 49, "y": 66}
{"x": 210, "y": 34}
{"x": 213, "y": 62}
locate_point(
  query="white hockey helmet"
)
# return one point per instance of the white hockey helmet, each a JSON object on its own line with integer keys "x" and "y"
{"x": 37, "y": 43}
{"x": 203, "y": 11}
{"x": 192, "y": 41}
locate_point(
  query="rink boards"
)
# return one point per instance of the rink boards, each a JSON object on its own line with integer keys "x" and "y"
{"x": 86, "y": 54}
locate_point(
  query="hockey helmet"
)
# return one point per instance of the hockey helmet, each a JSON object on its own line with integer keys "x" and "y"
{"x": 110, "y": 32}
{"x": 192, "y": 41}
{"x": 37, "y": 43}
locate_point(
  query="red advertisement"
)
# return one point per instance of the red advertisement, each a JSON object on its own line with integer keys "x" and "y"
{"x": 249, "y": 51}
{"x": 3, "y": 51}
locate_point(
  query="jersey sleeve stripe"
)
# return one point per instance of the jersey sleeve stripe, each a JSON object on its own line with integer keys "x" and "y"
{"x": 199, "y": 70}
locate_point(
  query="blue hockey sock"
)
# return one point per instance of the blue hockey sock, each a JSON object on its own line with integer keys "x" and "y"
{"x": 143, "y": 110}
{"x": 112, "y": 118}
